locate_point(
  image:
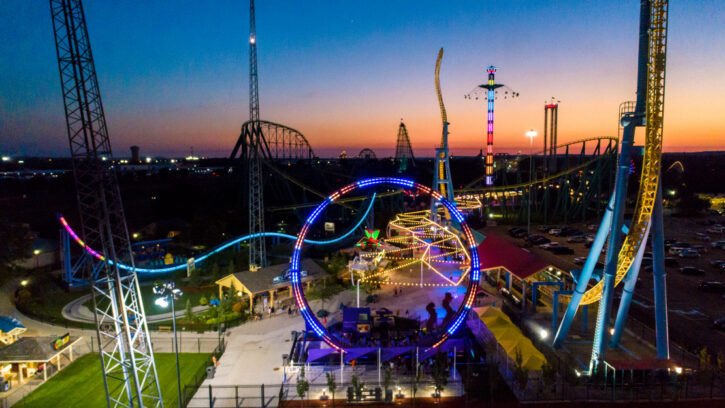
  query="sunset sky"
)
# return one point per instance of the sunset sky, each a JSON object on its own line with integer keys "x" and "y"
{"x": 345, "y": 72}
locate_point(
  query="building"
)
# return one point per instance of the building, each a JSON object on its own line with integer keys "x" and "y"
{"x": 29, "y": 356}
{"x": 271, "y": 284}
{"x": 10, "y": 330}
{"x": 511, "y": 268}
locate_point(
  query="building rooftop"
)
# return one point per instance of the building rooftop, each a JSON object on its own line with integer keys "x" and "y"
{"x": 261, "y": 280}
{"x": 28, "y": 349}
{"x": 8, "y": 324}
{"x": 495, "y": 252}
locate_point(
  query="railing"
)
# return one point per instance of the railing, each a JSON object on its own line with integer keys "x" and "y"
{"x": 198, "y": 378}
{"x": 627, "y": 386}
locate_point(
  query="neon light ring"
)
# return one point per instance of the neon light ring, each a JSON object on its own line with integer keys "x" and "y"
{"x": 475, "y": 273}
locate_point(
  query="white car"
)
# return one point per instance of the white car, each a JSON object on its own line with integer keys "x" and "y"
{"x": 715, "y": 230}
{"x": 553, "y": 244}
{"x": 701, "y": 237}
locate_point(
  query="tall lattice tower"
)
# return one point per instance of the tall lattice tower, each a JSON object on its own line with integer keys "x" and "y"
{"x": 257, "y": 247}
{"x": 403, "y": 151}
{"x": 442, "y": 171}
{"x": 492, "y": 93}
{"x": 129, "y": 370}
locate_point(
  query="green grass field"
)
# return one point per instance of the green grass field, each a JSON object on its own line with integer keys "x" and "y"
{"x": 81, "y": 384}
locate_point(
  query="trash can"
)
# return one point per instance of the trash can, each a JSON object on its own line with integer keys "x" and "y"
{"x": 210, "y": 370}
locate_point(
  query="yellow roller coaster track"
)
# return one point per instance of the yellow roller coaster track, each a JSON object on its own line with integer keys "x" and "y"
{"x": 652, "y": 161}
{"x": 444, "y": 116}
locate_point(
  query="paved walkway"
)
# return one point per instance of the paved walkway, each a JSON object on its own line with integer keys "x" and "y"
{"x": 77, "y": 311}
{"x": 162, "y": 341}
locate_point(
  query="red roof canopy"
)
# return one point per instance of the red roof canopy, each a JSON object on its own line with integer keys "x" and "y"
{"x": 496, "y": 252}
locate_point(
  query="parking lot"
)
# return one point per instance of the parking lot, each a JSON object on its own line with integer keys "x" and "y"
{"x": 692, "y": 310}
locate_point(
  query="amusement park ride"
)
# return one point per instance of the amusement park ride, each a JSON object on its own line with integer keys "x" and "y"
{"x": 492, "y": 93}
{"x": 129, "y": 370}
{"x": 439, "y": 235}
{"x": 623, "y": 259}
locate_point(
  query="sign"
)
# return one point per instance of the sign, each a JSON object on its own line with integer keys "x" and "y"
{"x": 168, "y": 259}
{"x": 61, "y": 341}
{"x": 190, "y": 265}
{"x": 363, "y": 328}
{"x": 329, "y": 227}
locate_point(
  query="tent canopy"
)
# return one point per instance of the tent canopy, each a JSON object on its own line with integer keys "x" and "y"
{"x": 510, "y": 338}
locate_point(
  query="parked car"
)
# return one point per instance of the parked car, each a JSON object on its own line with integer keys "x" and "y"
{"x": 580, "y": 260}
{"x": 569, "y": 231}
{"x": 702, "y": 237}
{"x": 699, "y": 248}
{"x": 691, "y": 270}
{"x": 716, "y": 287}
{"x": 715, "y": 230}
{"x": 536, "y": 239}
{"x": 675, "y": 249}
{"x": 517, "y": 232}
{"x": 717, "y": 262}
{"x": 689, "y": 253}
{"x": 719, "y": 324}
{"x": 544, "y": 228}
{"x": 549, "y": 245}
{"x": 561, "y": 250}
{"x": 718, "y": 244}
{"x": 669, "y": 242}
{"x": 555, "y": 232}
{"x": 592, "y": 227}
{"x": 576, "y": 239}
{"x": 671, "y": 261}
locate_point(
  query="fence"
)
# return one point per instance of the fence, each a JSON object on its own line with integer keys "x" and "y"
{"x": 565, "y": 384}
{"x": 269, "y": 395}
{"x": 198, "y": 378}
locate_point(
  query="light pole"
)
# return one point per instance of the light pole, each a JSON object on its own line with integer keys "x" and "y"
{"x": 357, "y": 284}
{"x": 164, "y": 292}
{"x": 531, "y": 134}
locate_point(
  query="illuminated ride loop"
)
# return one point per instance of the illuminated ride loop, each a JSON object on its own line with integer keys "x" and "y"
{"x": 300, "y": 300}
{"x": 219, "y": 248}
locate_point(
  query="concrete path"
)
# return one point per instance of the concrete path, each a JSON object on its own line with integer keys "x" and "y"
{"x": 77, "y": 311}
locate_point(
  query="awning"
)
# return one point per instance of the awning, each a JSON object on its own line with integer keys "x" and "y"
{"x": 510, "y": 338}
{"x": 354, "y": 353}
{"x": 318, "y": 354}
{"x": 392, "y": 352}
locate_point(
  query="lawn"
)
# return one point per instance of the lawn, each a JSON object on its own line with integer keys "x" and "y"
{"x": 81, "y": 383}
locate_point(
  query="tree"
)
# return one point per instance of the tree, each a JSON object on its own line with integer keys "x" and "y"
{"x": 521, "y": 373}
{"x": 231, "y": 268}
{"x": 440, "y": 373}
{"x": 16, "y": 246}
{"x": 214, "y": 272}
{"x": 302, "y": 385}
{"x": 691, "y": 205}
{"x": 357, "y": 387}
{"x": 189, "y": 313}
{"x": 548, "y": 374}
{"x": 194, "y": 279}
{"x": 331, "y": 385}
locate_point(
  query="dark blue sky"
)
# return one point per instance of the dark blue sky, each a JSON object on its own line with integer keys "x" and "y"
{"x": 345, "y": 72}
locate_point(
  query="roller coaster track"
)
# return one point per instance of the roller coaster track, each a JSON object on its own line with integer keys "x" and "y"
{"x": 652, "y": 160}
{"x": 469, "y": 187}
{"x": 278, "y": 142}
{"x": 218, "y": 248}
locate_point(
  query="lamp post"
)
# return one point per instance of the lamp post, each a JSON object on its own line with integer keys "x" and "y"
{"x": 164, "y": 292}
{"x": 357, "y": 284}
{"x": 531, "y": 134}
